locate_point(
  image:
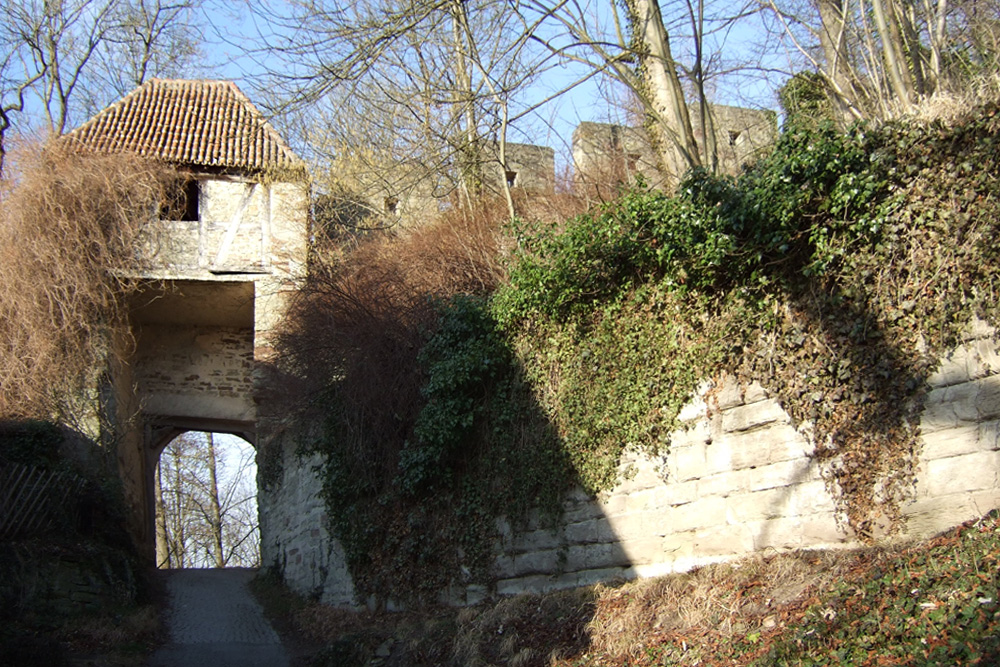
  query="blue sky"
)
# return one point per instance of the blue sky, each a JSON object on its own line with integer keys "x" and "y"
{"x": 552, "y": 124}
{"x": 230, "y": 28}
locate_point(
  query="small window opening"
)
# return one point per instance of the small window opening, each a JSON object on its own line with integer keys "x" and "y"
{"x": 511, "y": 177}
{"x": 182, "y": 204}
{"x": 734, "y": 136}
{"x": 391, "y": 205}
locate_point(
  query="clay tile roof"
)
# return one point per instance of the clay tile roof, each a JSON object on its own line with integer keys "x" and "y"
{"x": 203, "y": 123}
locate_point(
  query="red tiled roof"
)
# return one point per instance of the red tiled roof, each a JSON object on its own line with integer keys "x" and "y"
{"x": 203, "y": 123}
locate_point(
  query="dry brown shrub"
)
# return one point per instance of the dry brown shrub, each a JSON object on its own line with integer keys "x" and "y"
{"x": 567, "y": 200}
{"x": 363, "y": 314}
{"x": 458, "y": 253}
{"x": 726, "y": 598}
{"x": 68, "y": 236}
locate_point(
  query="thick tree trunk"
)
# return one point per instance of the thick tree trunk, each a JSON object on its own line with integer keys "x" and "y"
{"x": 664, "y": 96}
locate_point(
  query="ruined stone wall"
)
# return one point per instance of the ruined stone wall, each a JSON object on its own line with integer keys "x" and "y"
{"x": 529, "y": 168}
{"x": 607, "y": 155}
{"x": 739, "y": 478}
{"x": 409, "y": 195}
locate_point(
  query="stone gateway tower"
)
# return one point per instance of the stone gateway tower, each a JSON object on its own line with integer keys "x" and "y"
{"x": 230, "y": 249}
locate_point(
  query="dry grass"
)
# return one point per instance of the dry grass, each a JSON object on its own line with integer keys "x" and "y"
{"x": 624, "y": 624}
{"x": 953, "y": 105}
{"x": 527, "y": 630}
{"x": 121, "y": 639}
{"x": 729, "y": 599}
{"x": 68, "y": 231}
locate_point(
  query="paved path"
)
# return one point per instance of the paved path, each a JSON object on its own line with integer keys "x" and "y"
{"x": 213, "y": 620}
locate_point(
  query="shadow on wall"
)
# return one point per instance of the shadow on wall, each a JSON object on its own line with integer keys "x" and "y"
{"x": 417, "y": 507}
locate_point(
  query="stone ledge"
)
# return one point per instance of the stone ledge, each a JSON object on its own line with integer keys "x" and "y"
{"x": 957, "y": 441}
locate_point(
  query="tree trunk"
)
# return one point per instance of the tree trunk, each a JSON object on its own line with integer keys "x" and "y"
{"x": 215, "y": 520}
{"x": 710, "y": 154}
{"x": 894, "y": 53}
{"x": 162, "y": 548}
{"x": 178, "y": 538}
{"x": 470, "y": 158}
{"x": 671, "y": 129}
{"x": 833, "y": 39}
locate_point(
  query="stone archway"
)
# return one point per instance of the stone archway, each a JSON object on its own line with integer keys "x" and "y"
{"x": 193, "y": 367}
{"x": 217, "y": 271}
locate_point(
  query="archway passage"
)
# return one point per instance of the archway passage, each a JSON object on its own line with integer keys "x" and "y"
{"x": 205, "y": 495}
{"x": 214, "y": 276}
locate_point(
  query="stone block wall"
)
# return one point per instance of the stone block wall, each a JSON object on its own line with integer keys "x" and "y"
{"x": 739, "y": 478}
{"x": 196, "y": 371}
{"x": 959, "y": 474}
{"x": 293, "y": 528}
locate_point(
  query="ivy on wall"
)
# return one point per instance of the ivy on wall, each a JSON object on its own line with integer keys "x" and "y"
{"x": 834, "y": 272}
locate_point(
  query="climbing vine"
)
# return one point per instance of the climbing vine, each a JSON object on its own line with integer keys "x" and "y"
{"x": 835, "y": 272}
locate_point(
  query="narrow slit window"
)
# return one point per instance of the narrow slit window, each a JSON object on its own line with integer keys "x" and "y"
{"x": 734, "y": 136}
{"x": 511, "y": 177}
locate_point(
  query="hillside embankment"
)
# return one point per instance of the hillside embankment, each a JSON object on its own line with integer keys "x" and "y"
{"x": 928, "y": 603}
{"x": 474, "y": 377}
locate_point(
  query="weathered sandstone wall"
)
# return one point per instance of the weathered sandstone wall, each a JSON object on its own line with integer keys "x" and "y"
{"x": 739, "y": 478}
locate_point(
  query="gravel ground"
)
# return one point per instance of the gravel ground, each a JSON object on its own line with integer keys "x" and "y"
{"x": 214, "y": 621}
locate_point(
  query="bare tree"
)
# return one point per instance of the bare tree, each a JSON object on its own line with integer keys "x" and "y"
{"x": 147, "y": 38}
{"x": 214, "y": 518}
{"x": 55, "y": 42}
{"x": 661, "y": 91}
{"x": 399, "y": 94}
{"x": 73, "y": 56}
{"x": 208, "y": 509}
{"x": 879, "y": 58}
{"x": 634, "y": 43}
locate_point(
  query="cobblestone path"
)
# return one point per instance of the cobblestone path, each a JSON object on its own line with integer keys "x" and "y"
{"x": 213, "y": 620}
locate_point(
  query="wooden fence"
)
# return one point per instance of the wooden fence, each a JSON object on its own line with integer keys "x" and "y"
{"x": 32, "y": 500}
